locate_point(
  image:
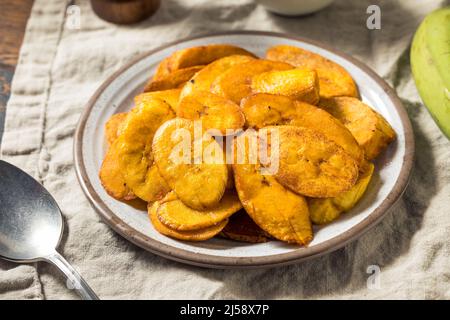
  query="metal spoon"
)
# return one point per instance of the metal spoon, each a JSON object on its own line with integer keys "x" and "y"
{"x": 31, "y": 225}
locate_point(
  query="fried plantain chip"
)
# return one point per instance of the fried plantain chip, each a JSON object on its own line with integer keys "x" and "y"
{"x": 241, "y": 227}
{"x": 198, "y": 178}
{"x": 369, "y": 128}
{"x": 298, "y": 84}
{"x": 275, "y": 209}
{"x": 111, "y": 175}
{"x": 334, "y": 80}
{"x": 171, "y": 97}
{"x": 262, "y": 110}
{"x": 203, "y": 79}
{"x": 135, "y": 149}
{"x": 312, "y": 165}
{"x": 186, "y": 235}
{"x": 326, "y": 210}
{"x": 173, "y": 80}
{"x": 162, "y": 69}
{"x": 278, "y": 211}
{"x": 214, "y": 111}
{"x": 235, "y": 83}
{"x": 203, "y": 55}
{"x": 113, "y": 126}
{"x": 174, "y": 214}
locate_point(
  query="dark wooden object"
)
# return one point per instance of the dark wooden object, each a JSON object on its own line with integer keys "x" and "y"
{"x": 125, "y": 11}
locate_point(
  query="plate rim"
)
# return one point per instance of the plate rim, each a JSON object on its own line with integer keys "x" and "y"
{"x": 205, "y": 260}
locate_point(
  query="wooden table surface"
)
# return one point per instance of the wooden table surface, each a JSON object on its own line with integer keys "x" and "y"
{"x": 12, "y": 28}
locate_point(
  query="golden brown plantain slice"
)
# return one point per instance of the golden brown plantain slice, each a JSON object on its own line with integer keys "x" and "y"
{"x": 241, "y": 227}
{"x": 135, "y": 149}
{"x": 235, "y": 83}
{"x": 171, "y": 97}
{"x": 262, "y": 110}
{"x": 187, "y": 235}
{"x": 174, "y": 214}
{"x": 315, "y": 118}
{"x": 334, "y": 80}
{"x": 203, "y": 55}
{"x": 215, "y": 112}
{"x": 312, "y": 165}
{"x": 326, "y": 210}
{"x": 275, "y": 209}
{"x": 162, "y": 69}
{"x": 193, "y": 166}
{"x": 111, "y": 175}
{"x": 369, "y": 128}
{"x": 113, "y": 126}
{"x": 203, "y": 79}
{"x": 298, "y": 84}
{"x": 173, "y": 80}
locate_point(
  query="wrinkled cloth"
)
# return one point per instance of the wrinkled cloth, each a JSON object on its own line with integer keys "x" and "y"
{"x": 61, "y": 67}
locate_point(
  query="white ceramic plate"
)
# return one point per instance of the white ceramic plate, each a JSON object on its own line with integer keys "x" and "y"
{"x": 115, "y": 95}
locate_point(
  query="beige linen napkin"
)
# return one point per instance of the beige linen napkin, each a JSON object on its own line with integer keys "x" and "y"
{"x": 60, "y": 68}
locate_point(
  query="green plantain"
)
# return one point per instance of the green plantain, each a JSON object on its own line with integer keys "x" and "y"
{"x": 430, "y": 64}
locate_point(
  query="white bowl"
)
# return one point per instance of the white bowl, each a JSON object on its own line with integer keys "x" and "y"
{"x": 294, "y": 7}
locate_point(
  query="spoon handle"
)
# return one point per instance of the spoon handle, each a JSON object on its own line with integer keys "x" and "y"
{"x": 74, "y": 279}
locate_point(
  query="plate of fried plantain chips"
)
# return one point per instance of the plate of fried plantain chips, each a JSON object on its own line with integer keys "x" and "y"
{"x": 243, "y": 149}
